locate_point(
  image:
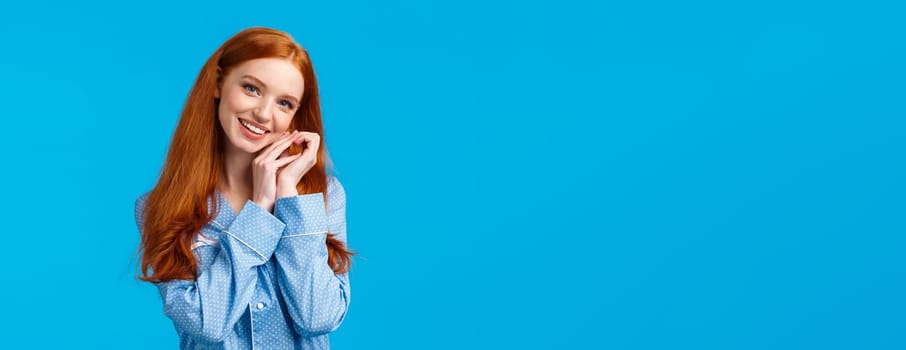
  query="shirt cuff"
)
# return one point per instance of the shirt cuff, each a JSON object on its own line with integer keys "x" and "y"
{"x": 257, "y": 229}
{"x": 303, "y": 214}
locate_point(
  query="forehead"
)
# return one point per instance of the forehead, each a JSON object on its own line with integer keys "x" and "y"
{"x": 279, "y": 74}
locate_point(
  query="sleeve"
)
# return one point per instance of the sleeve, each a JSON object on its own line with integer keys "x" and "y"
{"x": 206, "y": 309}
{"x": 316, "y": 298}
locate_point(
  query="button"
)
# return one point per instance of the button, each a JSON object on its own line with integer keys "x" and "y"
{"x": 260, "y": 306}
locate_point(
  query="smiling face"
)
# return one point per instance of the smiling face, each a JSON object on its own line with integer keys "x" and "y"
{"x": 258, "y": 100}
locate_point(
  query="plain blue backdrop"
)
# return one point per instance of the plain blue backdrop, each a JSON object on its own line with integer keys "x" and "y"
{"x": 531, "y": 175}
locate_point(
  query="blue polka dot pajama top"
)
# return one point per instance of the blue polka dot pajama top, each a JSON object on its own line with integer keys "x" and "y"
{"x": 263, "y": 279}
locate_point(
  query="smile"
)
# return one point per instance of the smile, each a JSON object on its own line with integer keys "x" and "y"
{"x": 252, "y": 128}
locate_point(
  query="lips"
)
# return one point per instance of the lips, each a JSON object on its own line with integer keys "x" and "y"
{"x": 251, "y": 130}
{"x": 255, "y": 128}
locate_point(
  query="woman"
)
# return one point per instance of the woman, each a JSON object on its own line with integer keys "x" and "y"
{"x": 238, "y": 235}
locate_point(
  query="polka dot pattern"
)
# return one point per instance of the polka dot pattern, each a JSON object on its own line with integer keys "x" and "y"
{"x": 303, "y": 215}
{"x": 263, "y": 279}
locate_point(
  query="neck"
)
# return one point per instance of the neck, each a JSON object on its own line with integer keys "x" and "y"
{"x": 236, "y": 178}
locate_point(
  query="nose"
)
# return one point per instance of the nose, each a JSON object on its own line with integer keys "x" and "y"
{"x": 263, "y": 112}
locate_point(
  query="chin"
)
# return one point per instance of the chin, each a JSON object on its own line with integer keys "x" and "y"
{"x": 246, "y": 145}
{"x": 252, "y": 148}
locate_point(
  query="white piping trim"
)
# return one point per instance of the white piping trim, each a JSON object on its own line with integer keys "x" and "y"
{"x": 305, "y": 234}
{"x": 237, "y": 238}
{"x": 246, "y": 244}
{"x": 217, "y": 224}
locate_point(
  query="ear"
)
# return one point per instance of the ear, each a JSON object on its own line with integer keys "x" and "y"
{"x": 218, "y": 83}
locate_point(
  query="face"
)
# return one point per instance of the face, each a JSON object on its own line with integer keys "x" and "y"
{"x": 258, "y": 100}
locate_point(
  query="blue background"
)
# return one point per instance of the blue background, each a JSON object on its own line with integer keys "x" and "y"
{"x": 534, "y": 175}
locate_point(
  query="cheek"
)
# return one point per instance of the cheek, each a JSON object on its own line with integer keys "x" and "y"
{"x": 226, "y": 112}
{"x": 234, "y": 102}
{"x": 284, "y": 122}
{"x": 223, "y": 114}
{"x": 222, "y": 110}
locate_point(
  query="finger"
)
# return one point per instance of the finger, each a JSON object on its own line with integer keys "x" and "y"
{"x": 294, "y": 147}
{"x": 286, "y": 160}
{"x": 270, "y": 147}
{"x": 277, "y": 148}
{"x": 312, "y": 140}
{"x": 289, "y": 151}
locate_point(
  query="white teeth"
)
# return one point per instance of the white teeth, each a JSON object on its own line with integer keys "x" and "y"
{"x": 252, "y": 127}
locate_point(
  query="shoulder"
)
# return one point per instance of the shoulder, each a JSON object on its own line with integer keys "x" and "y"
{"x": 141, "y": 199}
{"x": 336, "y": 193}
{"x": 140, "y": 209}
{"x": 334, "y": 187}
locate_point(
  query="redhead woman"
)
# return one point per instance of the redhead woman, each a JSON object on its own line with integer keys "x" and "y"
{"x": 244, "y": 234}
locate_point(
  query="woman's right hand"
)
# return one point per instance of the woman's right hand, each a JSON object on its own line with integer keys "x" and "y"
{"x": 264, "y": 171}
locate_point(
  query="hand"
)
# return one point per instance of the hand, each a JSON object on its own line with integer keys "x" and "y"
{"x": 264, "y": 170}
{"x": 290, "y": 175}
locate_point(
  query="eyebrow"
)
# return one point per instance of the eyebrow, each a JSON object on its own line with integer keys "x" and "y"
{"x": 263, "y": 85}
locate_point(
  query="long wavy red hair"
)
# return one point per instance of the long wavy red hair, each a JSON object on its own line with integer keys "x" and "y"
{"x": 177, "y": 207}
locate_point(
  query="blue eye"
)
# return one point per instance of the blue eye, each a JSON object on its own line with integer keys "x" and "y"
{"x": 286, "y": 104}
{"x": 250, "y": 88}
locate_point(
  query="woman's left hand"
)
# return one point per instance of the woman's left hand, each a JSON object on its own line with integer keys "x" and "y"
{"x": 290, "y": 175}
